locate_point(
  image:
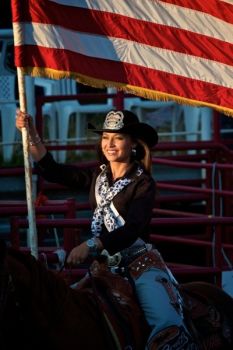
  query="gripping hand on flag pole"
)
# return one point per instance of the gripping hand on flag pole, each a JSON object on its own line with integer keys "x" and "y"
{"x": 36, "y": 146}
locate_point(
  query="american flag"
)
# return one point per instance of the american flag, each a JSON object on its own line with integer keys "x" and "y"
{"x": 179, "y": 50}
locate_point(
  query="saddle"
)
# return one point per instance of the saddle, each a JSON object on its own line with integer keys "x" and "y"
{"x": 119, "y": 307}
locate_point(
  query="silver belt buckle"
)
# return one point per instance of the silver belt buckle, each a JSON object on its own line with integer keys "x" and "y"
{"x": 113, "y": 260}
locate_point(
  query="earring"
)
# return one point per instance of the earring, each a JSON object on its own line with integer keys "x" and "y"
{"x": 134, "y": 152}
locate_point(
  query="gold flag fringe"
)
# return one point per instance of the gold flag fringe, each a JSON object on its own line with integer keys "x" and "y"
{"x": 135, "y": 90}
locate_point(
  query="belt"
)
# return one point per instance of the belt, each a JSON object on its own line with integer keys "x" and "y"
{"x": 130, "y": 254}
{"x": 147, "y": 261}
{"x": 126, "y": 256}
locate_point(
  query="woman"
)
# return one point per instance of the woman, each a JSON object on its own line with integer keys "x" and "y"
{"x": 122, "y": 194}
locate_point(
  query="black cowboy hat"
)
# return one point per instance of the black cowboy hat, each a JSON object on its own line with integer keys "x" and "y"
{"x": 126, "y": 122}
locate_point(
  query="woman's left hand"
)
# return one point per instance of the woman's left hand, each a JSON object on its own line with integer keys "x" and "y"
{"x": 78, "y": 254}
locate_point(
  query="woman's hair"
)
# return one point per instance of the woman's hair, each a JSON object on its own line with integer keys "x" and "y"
{"x": 142, "y": 154}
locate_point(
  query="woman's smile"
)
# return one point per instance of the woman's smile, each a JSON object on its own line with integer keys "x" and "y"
{"x": 116, "y": 147}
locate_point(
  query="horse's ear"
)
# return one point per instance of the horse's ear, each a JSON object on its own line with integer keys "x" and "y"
{"x": 2, "y": 250}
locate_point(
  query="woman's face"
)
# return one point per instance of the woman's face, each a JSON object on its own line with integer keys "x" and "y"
{"x": 117, "y": 147}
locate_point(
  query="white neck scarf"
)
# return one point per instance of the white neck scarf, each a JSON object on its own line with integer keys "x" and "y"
{"x": 105, "y": 213}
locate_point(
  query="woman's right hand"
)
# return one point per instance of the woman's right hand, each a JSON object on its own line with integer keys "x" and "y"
{"x": 37, "y": 148}
{"x": 23, "y": 120}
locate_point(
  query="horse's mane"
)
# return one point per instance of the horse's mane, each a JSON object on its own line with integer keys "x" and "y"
{"x": 23, "y": 257}
{"x": 36, "y": 268}
{"x": 44, "y": 288}
{"x": 17, "y": 326}
{"x": 43, "y": 295}
{"x": 5, "y": 250}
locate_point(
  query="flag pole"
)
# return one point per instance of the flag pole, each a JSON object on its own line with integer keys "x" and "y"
{"x": 32, "y": 233}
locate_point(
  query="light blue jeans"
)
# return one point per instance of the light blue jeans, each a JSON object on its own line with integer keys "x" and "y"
{"x": 159, "y": 299}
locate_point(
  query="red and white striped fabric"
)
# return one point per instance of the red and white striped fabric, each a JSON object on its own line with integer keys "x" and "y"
{"x": 169, "y": 49}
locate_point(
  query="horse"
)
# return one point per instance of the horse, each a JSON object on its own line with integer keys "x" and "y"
{"x": 38, "y": 308}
